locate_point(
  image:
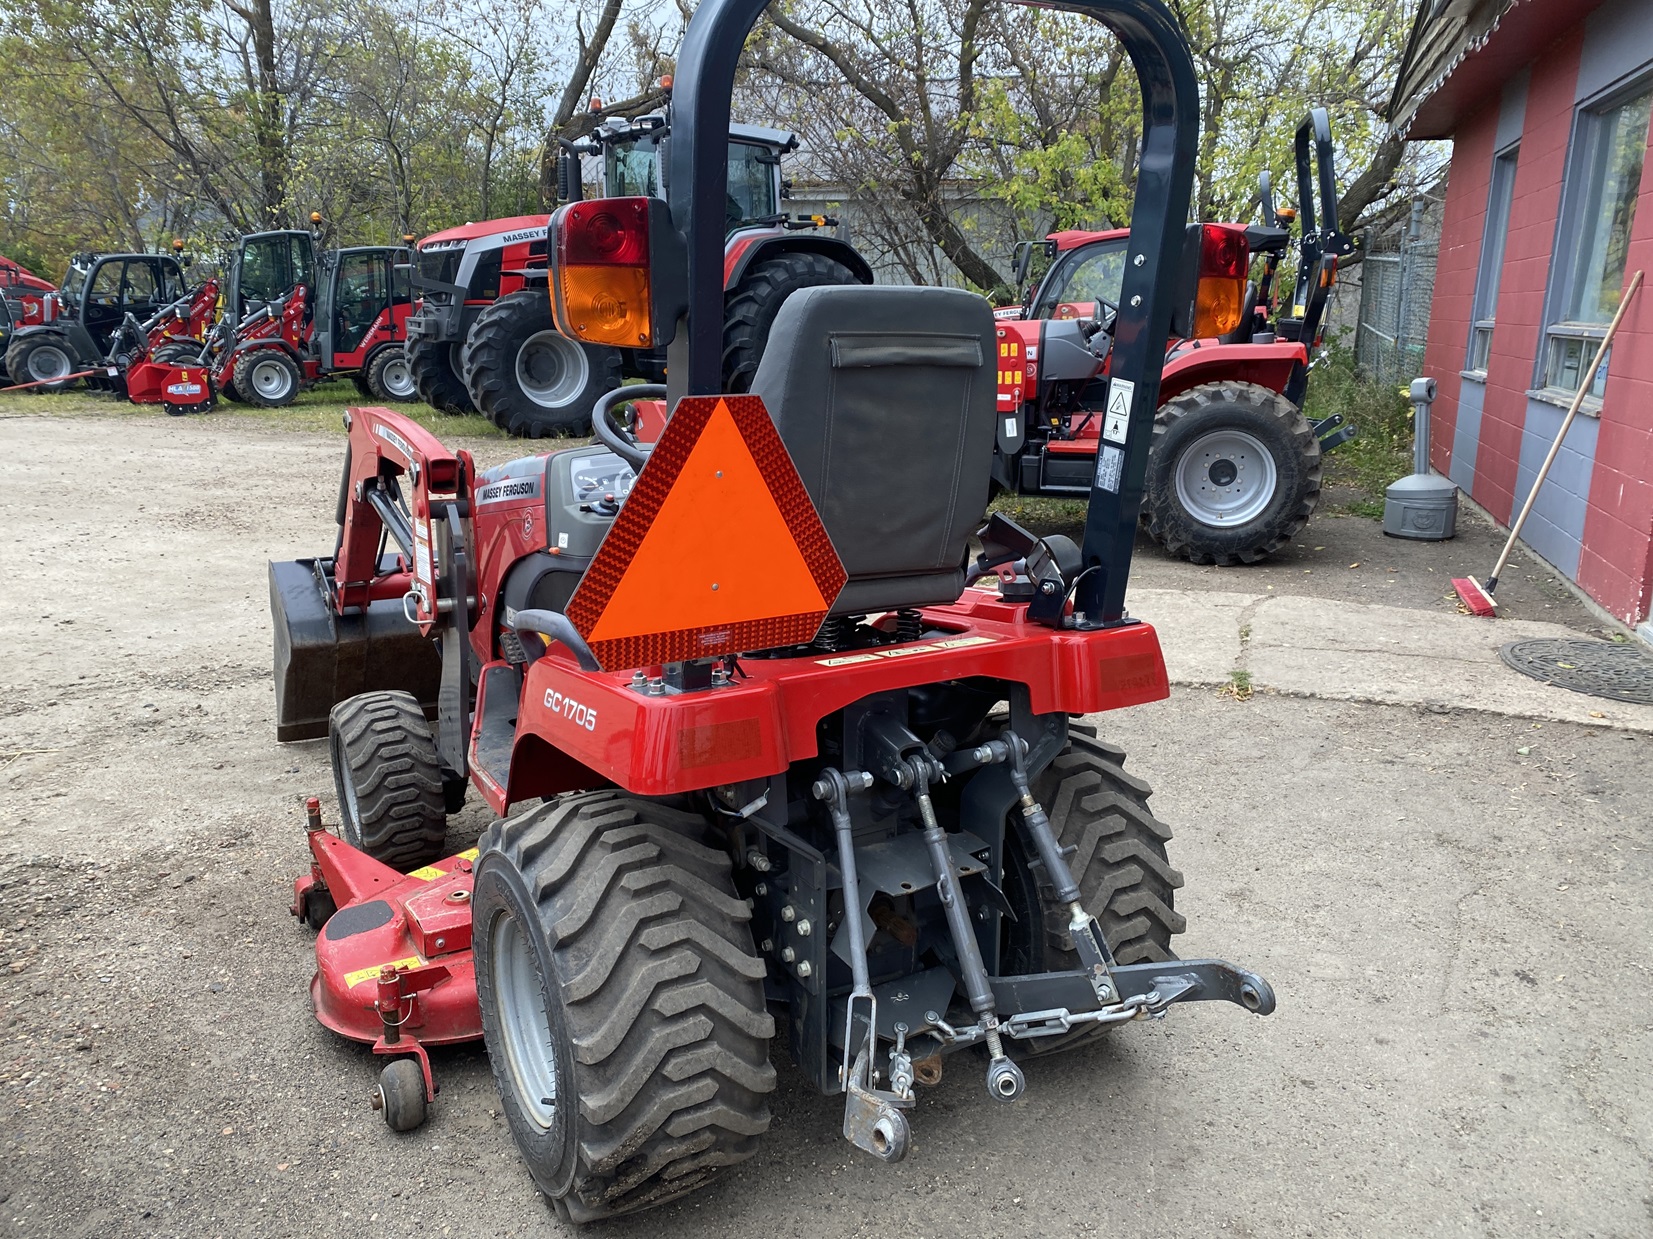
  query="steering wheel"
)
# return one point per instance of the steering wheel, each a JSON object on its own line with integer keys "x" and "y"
{"x": 620, "y": 438}
{"x": 1103, "y": 318}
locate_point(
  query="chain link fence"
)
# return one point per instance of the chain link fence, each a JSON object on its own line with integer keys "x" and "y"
{"x": 1396, "y": 289}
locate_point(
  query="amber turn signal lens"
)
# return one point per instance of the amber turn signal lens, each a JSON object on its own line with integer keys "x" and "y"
{"x": 605, "y": 305}
{"x": 1217, "y": 306}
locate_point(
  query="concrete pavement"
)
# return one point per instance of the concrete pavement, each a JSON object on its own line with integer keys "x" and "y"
{"x": 1350, "y": 651}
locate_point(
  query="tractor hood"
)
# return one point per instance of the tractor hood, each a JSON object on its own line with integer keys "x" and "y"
{"x": 534, "y": 224}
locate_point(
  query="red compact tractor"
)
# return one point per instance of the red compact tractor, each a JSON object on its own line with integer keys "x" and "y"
{"x": 484, "y": 338}
{"x": 1235, "y": 467}
{"x": 763, "y": 749}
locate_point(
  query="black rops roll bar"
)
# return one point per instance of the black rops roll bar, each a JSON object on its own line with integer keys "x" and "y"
{"x": 1170, "y": 101}
{"x": 1321, "y": 239}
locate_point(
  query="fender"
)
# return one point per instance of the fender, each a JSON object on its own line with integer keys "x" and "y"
{"x": 76, "y": 340}
{"x": 1272, "y": 366}
{"x": 755, "y": 245}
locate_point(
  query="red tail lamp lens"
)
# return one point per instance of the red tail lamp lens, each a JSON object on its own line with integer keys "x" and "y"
{"x": 1223, "y": 252}
{"x": 611, "y": 232}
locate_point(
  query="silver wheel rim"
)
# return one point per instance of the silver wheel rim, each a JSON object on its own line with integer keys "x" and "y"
{"x": 48, "y": 362}
{"x": 524, "y": 1024}
{"x": 1226, "y": 478}
{"x": 397, "y": 379}
{"x": 271, "y": 379}
{"x": 552, "y": 370}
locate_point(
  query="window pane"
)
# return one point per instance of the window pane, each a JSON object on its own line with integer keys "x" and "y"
{"x": 1569, "y": 355}
{"x": 1492, "y": 241}
{"x": 751, "y": 191}
{"x": 1609, "y": 211}
{"x": 1480, "y": 347}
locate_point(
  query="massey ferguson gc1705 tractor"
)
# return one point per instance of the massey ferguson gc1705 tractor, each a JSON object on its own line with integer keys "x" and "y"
{"x": 1234, "y": 471}
{"x": 484, "y": 338}
{"x": 776, "y": 755}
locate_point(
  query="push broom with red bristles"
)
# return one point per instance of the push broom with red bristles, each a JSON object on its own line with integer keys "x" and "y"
{"x": 1479, "y": 598}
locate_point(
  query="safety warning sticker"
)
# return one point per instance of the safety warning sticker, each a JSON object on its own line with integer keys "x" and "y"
{"x": 353, "y": 979}
{"x": 903, "y": 651}
{"x": 1110, "y": 468}
{"x": 1121, "y": 395}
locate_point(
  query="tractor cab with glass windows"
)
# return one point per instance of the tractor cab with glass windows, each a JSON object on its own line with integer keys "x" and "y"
{"x": 97, "y": 294}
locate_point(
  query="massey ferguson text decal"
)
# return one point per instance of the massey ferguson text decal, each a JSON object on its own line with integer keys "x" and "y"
{"x": 395, "y": 440}
{"x": 509, "y": 490}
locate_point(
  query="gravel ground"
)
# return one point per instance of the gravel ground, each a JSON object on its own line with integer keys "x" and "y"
{"x": 1452, "y": 907}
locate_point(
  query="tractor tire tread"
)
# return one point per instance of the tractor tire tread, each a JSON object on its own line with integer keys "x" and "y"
{"x": 1125, "y": 879}
{"x": 401, "y": 817}
{"x": 751, "y": 307}
{"x": 488, "y": 364}
{"x": 434, "y": 376}
{"x": 662, "y": 993}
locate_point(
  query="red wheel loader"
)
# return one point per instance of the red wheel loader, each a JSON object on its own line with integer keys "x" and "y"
{"x": 763, "y": 747}
{"x": 1234, "y": 471}
{"x": 293, "y": 315}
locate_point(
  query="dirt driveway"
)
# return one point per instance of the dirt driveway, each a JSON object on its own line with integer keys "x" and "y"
{"x": 1453, "y": 908}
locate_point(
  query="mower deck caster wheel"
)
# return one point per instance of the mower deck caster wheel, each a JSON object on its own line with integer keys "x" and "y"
{"x": 400, "y": 1094}
{"x": 1005, "y": 1081}
{"x": 319, "y": 907}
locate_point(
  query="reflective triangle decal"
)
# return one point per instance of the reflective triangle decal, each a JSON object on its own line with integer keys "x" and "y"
{"x": 717, "y": 549}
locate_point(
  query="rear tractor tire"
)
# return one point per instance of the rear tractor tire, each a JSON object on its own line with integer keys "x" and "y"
{"x": 1125, "y": 880}
{"x": 389, "y": 377}
{"x": 528, "y": 378}
{"x": 40, "y": 359}
{"x": 1234, "y": 474}
{"x": 268, "y": 378}
{"x": 433, "y": 364}
{"x": 622, "y": 1001}
{"x": 389, "y": 779}
{"x": 752, "y": 305}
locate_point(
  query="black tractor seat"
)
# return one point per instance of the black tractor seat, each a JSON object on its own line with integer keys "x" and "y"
{"x": 885, "y": 397}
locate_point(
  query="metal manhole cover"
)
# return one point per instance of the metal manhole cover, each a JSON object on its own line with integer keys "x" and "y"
{"x": 1599, "y": 668}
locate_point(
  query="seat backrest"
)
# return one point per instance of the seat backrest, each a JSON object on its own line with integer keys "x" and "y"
{"x": 885, "y": 397}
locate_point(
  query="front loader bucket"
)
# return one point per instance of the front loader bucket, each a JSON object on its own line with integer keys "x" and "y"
{"x": 322, "y": 659}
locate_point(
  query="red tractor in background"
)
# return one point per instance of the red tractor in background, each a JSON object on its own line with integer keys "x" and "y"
{"x": 293, "y": 315}
{"x": 483, "y": 336}
{"x": 22, "y": 301}
{"x": 1235, "y": 468}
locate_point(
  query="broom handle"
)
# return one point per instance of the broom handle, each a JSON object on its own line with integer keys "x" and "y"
{"x": 1566, "y": 424}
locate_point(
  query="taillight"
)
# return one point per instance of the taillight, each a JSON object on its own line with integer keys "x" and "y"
{"x": 1219, "y": 296}
{"x": 600, "y": 271}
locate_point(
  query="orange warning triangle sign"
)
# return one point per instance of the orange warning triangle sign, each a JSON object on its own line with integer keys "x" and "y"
{"x": 717, "y": 549}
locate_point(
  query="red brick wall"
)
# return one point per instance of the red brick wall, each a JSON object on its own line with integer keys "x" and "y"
{"x": 1527, "y": 255}
{"x": 1616, "y": 565}
{"x": 1463, "y": 219}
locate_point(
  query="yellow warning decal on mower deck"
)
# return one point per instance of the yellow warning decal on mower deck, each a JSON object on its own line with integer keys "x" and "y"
{"x": 429, "y": 873}
{"x": 353, "y": 979}
{"x": 903, "y": 651}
